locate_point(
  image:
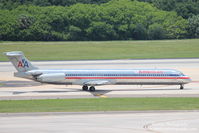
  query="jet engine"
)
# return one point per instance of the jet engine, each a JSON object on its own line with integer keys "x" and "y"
{"x": 51, "y": 77}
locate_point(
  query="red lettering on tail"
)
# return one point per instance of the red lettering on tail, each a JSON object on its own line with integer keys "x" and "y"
{"x": 20, "y": 64}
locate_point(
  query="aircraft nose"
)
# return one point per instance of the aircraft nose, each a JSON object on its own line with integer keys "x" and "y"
{"x": 187, "y": 79}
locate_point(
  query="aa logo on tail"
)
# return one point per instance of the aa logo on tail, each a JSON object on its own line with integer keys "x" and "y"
{"x": 23, "y": 63}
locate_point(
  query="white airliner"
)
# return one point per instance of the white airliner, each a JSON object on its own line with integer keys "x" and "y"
{"x": 97, "y": 77}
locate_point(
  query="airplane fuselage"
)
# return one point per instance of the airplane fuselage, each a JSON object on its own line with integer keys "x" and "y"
{"x": 119, "y": 76}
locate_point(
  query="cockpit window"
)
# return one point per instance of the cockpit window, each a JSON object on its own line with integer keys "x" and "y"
{"x": 181, "y": 74}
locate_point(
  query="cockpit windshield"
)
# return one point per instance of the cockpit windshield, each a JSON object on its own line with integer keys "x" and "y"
{"x": 181, "y": 74}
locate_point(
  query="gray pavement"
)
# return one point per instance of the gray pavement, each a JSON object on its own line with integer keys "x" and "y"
{"x": 100, "y": 122}
{"x": 18, "y": 88}
{"x": 136, "y": 122}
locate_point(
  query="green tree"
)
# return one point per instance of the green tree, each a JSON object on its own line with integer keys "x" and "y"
{"x": 194, "y": 26}
{"x": 101, "y": 31}
{"x": 167, "y": 5}
{"x": 184, "y": 8}
{"x": 25, "y": 21}
{"x": 156, "y": 32}
{"x": 115, "y": 20}
{"x": 140, "y": 32}
{"x": 8, "y": 25}
{"x": 74, "y": 33}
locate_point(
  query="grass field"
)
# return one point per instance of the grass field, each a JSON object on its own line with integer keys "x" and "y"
{"x": 104, "y": 50}
{"x": 99, "y": 104}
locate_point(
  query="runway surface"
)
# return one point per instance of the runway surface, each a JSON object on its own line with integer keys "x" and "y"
{"x": 100, "y": 122}
{"x": 112, "y": 122}
{"x": 18, "y": 88}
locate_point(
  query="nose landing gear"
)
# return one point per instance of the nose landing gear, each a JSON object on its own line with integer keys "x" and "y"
{"x": 181, "y": 87}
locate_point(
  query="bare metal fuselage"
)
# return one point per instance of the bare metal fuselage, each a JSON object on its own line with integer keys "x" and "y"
{"x": 120, "y": 77}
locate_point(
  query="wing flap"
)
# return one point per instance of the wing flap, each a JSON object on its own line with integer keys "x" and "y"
{"x": 97, "y": 82}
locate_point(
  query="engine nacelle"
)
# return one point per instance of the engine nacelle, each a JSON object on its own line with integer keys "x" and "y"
{"x": 52, "y": 78}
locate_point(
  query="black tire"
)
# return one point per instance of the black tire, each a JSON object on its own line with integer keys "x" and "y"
{"x": 85, "y": 88}
{"x": 92, "y": 88}
{"x": 181, "y": 87}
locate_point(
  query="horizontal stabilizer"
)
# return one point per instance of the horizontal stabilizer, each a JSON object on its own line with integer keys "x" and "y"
{"x": 13, "y": 53}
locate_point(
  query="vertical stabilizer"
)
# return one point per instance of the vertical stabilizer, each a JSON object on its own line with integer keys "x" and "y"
{"x": 21, "y": 63}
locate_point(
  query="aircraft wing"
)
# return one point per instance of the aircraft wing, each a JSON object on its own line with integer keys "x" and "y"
{"x": 97, "y": 82}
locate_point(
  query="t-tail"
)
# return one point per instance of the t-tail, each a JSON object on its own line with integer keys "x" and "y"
{"x": 20, "y": 62}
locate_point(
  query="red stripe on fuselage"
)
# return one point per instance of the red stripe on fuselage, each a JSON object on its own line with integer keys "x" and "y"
{"x": 127, "y": 78}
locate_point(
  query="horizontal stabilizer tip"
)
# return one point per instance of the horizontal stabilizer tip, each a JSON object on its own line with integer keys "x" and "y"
{"x": 13, "y": 53}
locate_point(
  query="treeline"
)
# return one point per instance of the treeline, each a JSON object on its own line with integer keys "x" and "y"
{"x": 188, "y": 9}
{"x": 184, "y": 8}
{"x": 115, "y": 20}
{"x": 11, "y": 4}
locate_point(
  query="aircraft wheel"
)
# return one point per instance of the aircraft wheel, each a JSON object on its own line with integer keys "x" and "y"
{"x": 92, "y": 88}
{"x": 85, "y": 88}
{"x": 181, "y": 87}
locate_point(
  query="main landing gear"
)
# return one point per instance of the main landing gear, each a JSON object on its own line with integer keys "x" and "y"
{"x": 92, "y": 88}
{"x": 181, "y": 87}
{"x": 85, "y": 88}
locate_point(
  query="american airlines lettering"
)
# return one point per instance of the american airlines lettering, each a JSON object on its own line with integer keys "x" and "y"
{"x": 23, "y": 63}
{"x": 147, "y": 72}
